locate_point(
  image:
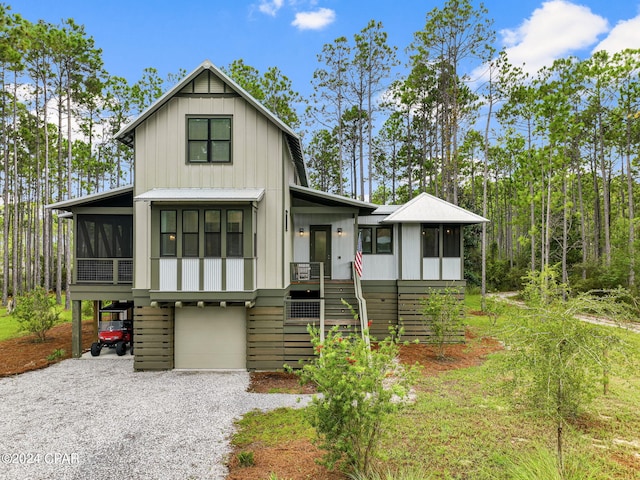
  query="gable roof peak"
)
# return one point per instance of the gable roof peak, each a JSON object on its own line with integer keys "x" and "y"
{"x": 126, "y": 134}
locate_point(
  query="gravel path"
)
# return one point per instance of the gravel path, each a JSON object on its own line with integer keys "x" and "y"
{"x": 631, "y": 326}
{"x": 97, "y": 418}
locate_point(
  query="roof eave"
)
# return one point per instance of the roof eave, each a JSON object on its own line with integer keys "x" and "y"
{"x": 79, "y": 201}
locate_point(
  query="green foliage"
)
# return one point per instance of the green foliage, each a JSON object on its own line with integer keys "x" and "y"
{"x": 559, "y": 362}
{"x": 359, "y": 387}
{"x": 272, "y": 428}
{"x": 56, "y": 354}
{"x": 543, "y": 464}
{"x": 245, "y": 459}
{"x": 36, "y": 312}
{"x": 543, "y": 287}
{"x": 390, "y": 474}
{"x": 87, "y": 309}
{"x": 442, "y": 313}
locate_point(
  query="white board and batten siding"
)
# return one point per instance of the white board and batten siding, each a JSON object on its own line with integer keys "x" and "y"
{"x": 342, "y": 246}
{"x": 411, "y": 251}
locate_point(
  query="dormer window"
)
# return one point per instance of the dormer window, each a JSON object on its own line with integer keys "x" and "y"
{"x": 209, "y": 140}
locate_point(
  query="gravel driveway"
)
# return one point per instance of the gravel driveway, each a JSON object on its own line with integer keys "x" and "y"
{"x": 97, "y": 418}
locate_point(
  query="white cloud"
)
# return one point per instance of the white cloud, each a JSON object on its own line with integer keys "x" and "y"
{"x": 314, "y": 20}
{"x": 554, "y": 30}
{"x": 626, "y": 34}
{"x": 270, "y": 7}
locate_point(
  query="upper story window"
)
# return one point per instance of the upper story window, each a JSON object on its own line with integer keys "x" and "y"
{"x": 209, "y": 140}
{"x": 376, "y": 240}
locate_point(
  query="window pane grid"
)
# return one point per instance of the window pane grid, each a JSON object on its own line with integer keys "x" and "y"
{"x": 168, "y": 232}
{"x": 376, "y": 240}
{"x": 209, "y": 140}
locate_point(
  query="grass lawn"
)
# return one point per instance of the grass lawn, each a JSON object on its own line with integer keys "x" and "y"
{"x": 463, "y": 425}
{"x": 9, "y": 327}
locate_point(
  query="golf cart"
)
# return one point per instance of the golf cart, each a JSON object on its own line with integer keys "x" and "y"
{"x": 115, "y": 328}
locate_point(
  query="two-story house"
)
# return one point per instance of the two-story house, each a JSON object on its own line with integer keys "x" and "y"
{"x": 225, "y": 252}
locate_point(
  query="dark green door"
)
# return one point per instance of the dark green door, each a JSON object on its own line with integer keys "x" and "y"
{"x": 321, "y": 246}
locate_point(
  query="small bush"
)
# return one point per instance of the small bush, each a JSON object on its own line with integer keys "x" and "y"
{"x": 442, "y": 313}
{"x": 358, "y": 387}
{"x": 36, "y": 312}
{"x": 245, "y": 459}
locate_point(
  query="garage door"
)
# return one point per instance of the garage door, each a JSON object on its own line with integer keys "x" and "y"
{"x": 211, "y": 337}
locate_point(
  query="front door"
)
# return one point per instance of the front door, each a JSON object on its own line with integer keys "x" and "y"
{"x": 321, "y": 246}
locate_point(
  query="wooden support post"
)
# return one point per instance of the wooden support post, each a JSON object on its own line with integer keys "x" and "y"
{"x": 76, "y": 328}
{"x": 97, "y": 304}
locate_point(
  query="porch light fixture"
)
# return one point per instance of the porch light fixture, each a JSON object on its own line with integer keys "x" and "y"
{"x": 339, "y": 231}
{"x": 301, "y": 231}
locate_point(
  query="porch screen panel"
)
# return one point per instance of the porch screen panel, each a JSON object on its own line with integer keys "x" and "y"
{"x": 451, "y": 241}
{"x": 104, "y": 236}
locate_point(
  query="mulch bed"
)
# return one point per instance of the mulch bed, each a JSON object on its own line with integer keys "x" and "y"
{"x": 23, "y": 354}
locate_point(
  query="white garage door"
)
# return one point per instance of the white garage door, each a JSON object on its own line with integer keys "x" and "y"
{"x": 211, "y": 337}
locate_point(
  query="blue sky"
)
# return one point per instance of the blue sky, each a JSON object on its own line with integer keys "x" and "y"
{"x": 170, "y": 35}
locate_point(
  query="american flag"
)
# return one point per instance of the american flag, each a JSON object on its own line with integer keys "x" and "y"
{"x": 358, "y": 261}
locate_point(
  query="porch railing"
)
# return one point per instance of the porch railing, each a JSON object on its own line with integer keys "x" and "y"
{"x": 104, "y": 270}
{"x": 203, "y": 274}
{"x": 306, "y": 271}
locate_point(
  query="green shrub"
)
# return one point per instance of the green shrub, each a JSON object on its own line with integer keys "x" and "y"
{"x": 56, "y": 354}
{"x": 36, "y": 312}
{"x": 358, "y": 387}
{"x": 245, "y": 459}
{"x": 442, "y": 313}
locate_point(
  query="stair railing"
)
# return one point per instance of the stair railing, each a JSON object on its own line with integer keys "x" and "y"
{"x": 362, "y": 306}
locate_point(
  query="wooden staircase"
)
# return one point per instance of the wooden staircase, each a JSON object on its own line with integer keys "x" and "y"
{"x": 335, "y": 312}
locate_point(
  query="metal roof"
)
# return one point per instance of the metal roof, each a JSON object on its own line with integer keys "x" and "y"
{"x": 330, "y": 198}
{"x": 202, "y": 195}
{"x": 127, "y": 133}
{"x": 92, "y": 198}
{"x": 426, "y": 208}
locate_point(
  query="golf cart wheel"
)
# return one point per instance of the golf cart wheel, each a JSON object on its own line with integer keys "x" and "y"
{"x": 95, "y": 349}
{"x": 121, "y": 348}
